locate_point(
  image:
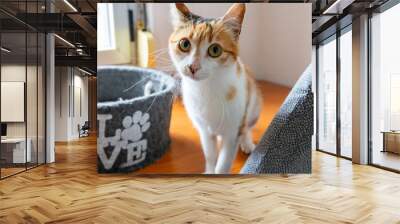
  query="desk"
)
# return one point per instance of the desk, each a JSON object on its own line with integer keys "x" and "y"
{"x": 391, "y": 141}
{"x": 13, "y": 150}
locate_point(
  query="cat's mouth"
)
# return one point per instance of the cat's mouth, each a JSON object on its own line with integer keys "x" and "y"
{"x": 195, "y": 77}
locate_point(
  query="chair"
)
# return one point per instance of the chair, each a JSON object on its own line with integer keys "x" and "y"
{"x": 84, "y": 130}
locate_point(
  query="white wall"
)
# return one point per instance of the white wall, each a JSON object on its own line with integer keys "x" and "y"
{"x": 61, "y": 103}
{"x": 17, "y": 73}
{"x": 66, "y": 119}
{"x": 275, "y": 40}
{"x": 14, "y": 73}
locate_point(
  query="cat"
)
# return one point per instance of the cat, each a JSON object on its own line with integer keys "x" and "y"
{"x": 218, "y": 91}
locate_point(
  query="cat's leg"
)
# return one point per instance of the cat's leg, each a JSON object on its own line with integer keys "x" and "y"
{"x": 227, "y": 154}
{"x": 254, "y": 109}
{"x": 246, "y": 142}
{"x": 209, "y": 145}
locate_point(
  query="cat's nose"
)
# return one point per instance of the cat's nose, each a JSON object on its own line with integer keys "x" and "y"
{"x": 193, "y": 68}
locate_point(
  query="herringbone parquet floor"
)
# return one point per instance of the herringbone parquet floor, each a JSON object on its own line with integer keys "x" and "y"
{"x": 71, "y": 191}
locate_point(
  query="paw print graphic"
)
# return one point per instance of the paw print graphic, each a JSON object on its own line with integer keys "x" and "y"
{"x": 135, "y": 126}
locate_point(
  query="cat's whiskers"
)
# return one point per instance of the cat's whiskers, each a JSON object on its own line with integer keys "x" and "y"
{"x": 137, "y": 83}
{"x": 163, "y": 62}
{"x": 166, "y": 68}
{"x": 171, "y": 98}
{"x": 159, "y": 51}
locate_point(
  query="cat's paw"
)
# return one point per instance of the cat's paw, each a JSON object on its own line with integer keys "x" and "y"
{"x": 248, "y": 148}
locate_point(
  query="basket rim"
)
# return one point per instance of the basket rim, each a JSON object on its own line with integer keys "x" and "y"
{"x": 157, "y": 75}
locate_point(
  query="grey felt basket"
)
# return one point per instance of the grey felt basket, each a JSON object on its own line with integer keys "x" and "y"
{"x": 133, "y": 113}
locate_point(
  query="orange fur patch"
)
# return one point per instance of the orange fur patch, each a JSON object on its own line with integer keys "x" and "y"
{"x": 201, "y": 32}
{"x": 227, "y": 40}
{"x": 231, "y": 94}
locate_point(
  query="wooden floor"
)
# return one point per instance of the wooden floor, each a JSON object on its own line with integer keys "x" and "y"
{"x": 71, "y": 191}
{"x": 386, "y": 159}
{"x": 10, "y": 171}
{"x": 185, "y": 155}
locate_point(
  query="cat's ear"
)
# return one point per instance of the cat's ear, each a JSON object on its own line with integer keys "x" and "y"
{"x": 233, "y": 18}
{"x": 181, "y": 15}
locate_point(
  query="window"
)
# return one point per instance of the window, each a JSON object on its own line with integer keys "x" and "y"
{"x": 385, "y": 89}
{"x": 346, "y": 93}
{"x": 113, "y": 34}
{"x": 327, "y": 96}
{"x": 394, "y": 101}
{"x": 105, "y": 26}
{"x": 334, "y": 106}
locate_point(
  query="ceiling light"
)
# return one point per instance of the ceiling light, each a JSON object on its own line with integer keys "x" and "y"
{"x": 84, "y": 71}
{"x": 70, "y": 5}
{"x": 337, "y": 7}
{"x": 5, "y": 50}
{"x": 64, "y": 40}
{"x": 79, "y": 51}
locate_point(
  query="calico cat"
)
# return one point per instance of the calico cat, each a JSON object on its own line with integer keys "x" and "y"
{"x": 218, "y": 91}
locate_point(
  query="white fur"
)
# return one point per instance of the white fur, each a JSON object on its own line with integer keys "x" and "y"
{"x": 176, "y": 16}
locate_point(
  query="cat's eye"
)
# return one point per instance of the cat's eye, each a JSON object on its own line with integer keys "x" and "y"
{"x": 184, "y": 45}
{"x": 215, "y": 50}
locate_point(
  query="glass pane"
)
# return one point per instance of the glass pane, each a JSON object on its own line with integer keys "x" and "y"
{"x": 346, "y": 94}
{"x": 327, "y": 96}
{"x": 32, "y": 88}
{"x": 41, "y": 99}
{"x": 386, "y": 89}
{"x": 105, "y": 41}
{"x": 13, "y": 87}
{"x": 22, "y": 89}
{"x": 31, "y": 98}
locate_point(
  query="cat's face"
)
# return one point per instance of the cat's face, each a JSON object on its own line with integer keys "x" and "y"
{"x": 200, "y": 47}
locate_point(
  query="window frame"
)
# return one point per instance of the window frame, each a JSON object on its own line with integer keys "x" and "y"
{"x": 111, "y": 25}
{"x": 334, "y": 37}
